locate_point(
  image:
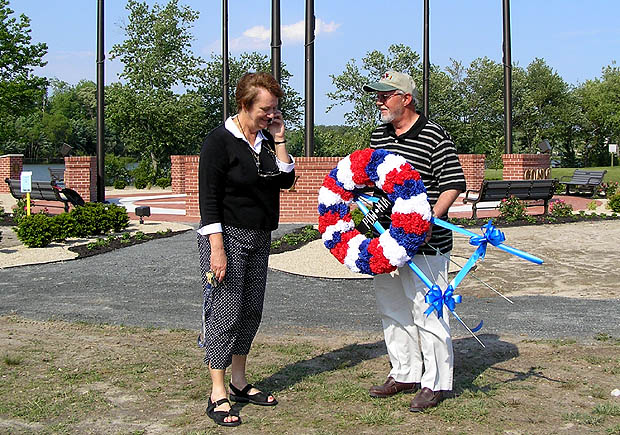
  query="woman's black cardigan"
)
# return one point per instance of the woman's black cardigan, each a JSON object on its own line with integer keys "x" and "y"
{"x": 230, "y": 190}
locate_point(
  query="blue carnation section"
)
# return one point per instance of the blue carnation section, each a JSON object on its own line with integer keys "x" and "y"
{"x": 406, "y": 190}
{"x": 377, "y": 157}
{"x": 340, "y": 208}
{"x": 410, "y": 241}
{"x": 363, "y": 262}
{"x": 336, "y": 238}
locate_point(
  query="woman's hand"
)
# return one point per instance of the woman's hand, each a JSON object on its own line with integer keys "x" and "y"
{"x": 218, "y": 256}
{"x": 276, "y": 128}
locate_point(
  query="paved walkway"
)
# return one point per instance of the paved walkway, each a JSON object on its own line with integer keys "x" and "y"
{"x": 157, "y": 284}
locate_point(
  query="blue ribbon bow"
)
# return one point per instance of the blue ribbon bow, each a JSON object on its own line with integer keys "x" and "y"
{"x": 490, "y": 234}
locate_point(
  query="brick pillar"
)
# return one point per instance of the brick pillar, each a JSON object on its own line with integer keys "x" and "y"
{"x": 526, "y": 166}
{"x": 81, "y": 176}
{"x": 473, "y": 168}
{"x": 11, "y": 166}
{"x": 177, "y": 172}
{"x": 192, "y": 207}
{"x": 300, "y": 203}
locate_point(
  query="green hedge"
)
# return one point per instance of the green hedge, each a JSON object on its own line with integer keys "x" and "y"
{"x": 39, "y": 230}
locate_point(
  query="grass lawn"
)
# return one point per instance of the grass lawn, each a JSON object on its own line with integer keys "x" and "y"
{"x": 60, "y": 377}
{"x": 613, "y": 173}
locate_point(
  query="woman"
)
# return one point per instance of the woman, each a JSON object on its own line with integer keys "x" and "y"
{"x": 243, "y": 165}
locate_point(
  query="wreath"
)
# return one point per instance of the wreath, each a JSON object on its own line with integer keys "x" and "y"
{"x": 411, "y": 212}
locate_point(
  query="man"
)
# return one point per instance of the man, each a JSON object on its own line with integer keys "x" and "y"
{"x": 419, "y": 346}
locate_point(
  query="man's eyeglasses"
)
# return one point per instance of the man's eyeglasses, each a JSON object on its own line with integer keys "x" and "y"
{"x": 265, "y": 173}
{"x": 382, "y": 98}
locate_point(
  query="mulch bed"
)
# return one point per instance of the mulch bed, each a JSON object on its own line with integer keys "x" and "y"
{"x": 84, "y": 250}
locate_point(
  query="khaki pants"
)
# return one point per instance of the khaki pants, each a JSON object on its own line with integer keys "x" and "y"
{"x": 419, "y": 347}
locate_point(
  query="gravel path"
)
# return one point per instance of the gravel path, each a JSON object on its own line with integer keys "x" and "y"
{"x": 157, "y": 284}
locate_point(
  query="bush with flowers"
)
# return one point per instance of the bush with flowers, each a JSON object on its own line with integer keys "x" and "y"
{"x": 512, "y": 209}
{"x": 561, "y": 208}
{"x": 607, "y": 189}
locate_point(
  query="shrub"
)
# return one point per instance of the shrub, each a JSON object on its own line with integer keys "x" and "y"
{"x": 36, "y": 230}
{"x": 607, "y": 189}
{"x": 163, "y": 182}
{"x": 120, "y": 184}
{"x": 142, "y": 175}
{"x": 19, "y": 210}
{"x": 116, "y": 169}
{"x": 614, "y": 202}
{"x": 118, "y": 217}
{"x": 64, "y": 226}
{"x": 560, "y": 208}
{"x": 511, "y": 209}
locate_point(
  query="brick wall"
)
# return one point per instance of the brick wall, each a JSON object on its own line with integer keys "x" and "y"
{"x": 81, "y": 176}
{"x": 526, "y": 166}
{"x": 11, "y": 166}
{"x": 177, "y": 172}
{"x": 300, "y": 203}
{"x": 473, "y": 168}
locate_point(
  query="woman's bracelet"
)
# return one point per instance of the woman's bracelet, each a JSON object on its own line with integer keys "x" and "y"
{"x": 279, "y": 142}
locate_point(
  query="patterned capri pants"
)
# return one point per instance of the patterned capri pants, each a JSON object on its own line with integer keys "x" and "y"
{"x": 233, "y": 309}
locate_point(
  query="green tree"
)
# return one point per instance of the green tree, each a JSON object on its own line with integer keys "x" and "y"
{"x": 21, "y": 92}
{"x": 156, "y": 54}
{"x": 349, "y": 84}
{"x": 600, "y": 103}
{"x": 211, "y": 89}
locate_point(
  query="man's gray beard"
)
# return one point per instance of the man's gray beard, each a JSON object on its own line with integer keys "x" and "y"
{"x": 387, "y": 118}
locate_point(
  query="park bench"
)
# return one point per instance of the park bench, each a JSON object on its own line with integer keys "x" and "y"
{"x": 583, "y": 181}
{"x": 43, "y": 190}
{"x": 525, "y": 190}
{"x": 57, "y": 175}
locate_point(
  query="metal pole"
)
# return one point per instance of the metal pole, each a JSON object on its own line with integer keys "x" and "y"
{"x": 309, "y": 88}
{"x": 426, "y": 85}
{"x": 507, "y": 80}
{"x": 100, "y": 104}
{"x": 225, "y": 70}
{"x": 276, "y": 42}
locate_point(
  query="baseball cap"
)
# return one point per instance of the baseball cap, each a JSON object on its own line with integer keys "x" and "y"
{"x": 391, "y": 81}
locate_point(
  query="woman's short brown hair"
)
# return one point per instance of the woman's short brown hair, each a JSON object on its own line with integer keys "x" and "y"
{"x": 247, "y": 88}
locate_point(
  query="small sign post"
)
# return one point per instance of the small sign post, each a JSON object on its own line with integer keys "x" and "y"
{"x": 26, "y": 187}
{"x": 613, "y": 149}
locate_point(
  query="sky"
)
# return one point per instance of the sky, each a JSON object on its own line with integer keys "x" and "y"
{"x": 575, "y": 38}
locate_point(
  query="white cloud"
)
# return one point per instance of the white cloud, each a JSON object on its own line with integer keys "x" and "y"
{"x": 259, "y": 37}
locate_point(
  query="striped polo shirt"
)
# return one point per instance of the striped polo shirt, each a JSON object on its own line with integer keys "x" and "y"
{"x": 428, "y": 147}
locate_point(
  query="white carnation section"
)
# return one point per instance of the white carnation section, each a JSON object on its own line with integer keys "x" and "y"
{"x": 391, "y": 162}
{"x": 328, "y": 197}
{"x": 418, "y": 204}
{"x": 340, "y": 226}
{"x": 344, "y": 173}
{"x": 353, "y": 252}
{"x": 396, "y": 254}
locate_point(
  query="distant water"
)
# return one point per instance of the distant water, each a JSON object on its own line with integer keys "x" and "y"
{"x": 40, "y": 172}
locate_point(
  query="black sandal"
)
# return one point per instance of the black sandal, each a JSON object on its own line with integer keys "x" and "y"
{"x": 259, "y": 398}
{"x": 220, "y": 416}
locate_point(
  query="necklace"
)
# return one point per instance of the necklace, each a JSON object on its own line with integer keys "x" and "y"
{"x": 241, "y": 128}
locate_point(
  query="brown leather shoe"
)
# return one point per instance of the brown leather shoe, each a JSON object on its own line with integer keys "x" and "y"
{"x": 426, "y": 398}
{"x": 392, "y": 387}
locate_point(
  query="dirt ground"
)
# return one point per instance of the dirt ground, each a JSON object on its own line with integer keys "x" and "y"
{"x": 62, "y": 377}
